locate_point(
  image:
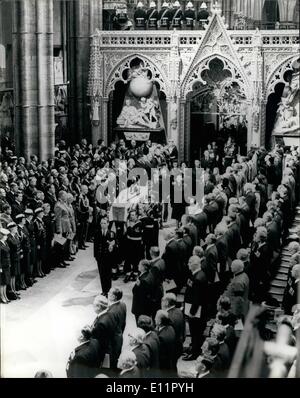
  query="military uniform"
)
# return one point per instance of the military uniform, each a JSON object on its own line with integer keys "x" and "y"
{"x": 150, "y": 234}
{"x": 40, "y": 236}
{"x": 189, "y": 17}
{"x": 164, "y": 18}
{"x": 152, "y": 17}
{"x": 140, "y": 17}
{"x": 32, "y": 253}
{"x": 82, "y": 216}
{"x": 15, "y": 254}
{"x": 134, "y": 248}
{"x": 177, "y": 17}
{"x": 104, "y": 252}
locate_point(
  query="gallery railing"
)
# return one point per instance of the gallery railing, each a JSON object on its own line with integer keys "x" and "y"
{"x": 191, "y": 38}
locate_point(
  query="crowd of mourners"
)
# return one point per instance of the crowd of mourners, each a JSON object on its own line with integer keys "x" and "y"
{"x": 221, "y": 256}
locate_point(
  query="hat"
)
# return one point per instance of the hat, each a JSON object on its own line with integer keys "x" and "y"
{"x": 140, "y": 4}
{"x": 11, "y": 225}
{"x": 4, "y": 231}
{"x": 189, "y": 5}
{"x": 176, "y": 4}
{"x": 152, "y": 4}
{"x": 38, "y": 210}
{"x": 203, "y": 5}
{"x": 28, "y": 212}
{"x": 165, "y": 4}
{"x": 20, "y": 216}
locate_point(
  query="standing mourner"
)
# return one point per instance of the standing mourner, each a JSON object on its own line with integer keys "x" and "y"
{"x": 4, "y": 266}
{"x": 104, "y": 252}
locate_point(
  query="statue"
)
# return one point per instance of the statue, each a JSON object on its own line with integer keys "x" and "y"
{"x": 288, "y": 110}
{"x": 143, "y": 116}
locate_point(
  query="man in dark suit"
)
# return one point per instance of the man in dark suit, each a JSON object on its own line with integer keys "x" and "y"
{"x": 196, "y": 305}
{"x": 211, "y": 209}
{"x": 171, "y": 256}
{"x": 250, "y": 200}
{"x": 222, "y": 249}
{"x": 191, "y": 230}
{"x": 84, "y": 361}
{"x": 233, "y": 233}
{"x": 200, "y": 219}
{"x": 142, "y": 292}
{"x": 127, "y": 362}
{"x": 103, "y": 327}
{"x": 274, "y": 233}
{"x": 151, "y": 340}
{"x": 211, "y": 258}
{"x": 118, "y": 310}
{"x": 104, "y": 253}
{"x": 17, "y": 206}
{"x": 177, "y": 321}
{"x": 260, "y": 262}
{"x": 167, "y": 339}
{"x": 157, "y": 271}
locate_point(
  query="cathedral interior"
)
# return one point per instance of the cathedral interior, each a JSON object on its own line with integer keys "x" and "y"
{"x": 64, "y": 71}
{"x": 186, "y": 73}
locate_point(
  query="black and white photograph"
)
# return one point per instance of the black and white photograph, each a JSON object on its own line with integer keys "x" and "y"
{"x": 149, "y": 191}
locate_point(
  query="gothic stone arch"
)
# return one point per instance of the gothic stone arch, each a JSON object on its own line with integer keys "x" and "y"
{"x": 115, "y": 74}
{"x": 193, "y": 76}
{"x": 277, "y": 75}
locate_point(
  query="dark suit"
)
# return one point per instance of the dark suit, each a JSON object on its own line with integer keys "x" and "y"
{"x": 157, "y": 270}
{"x": 118, "y": 311}
{"x": 17, "y": 208}
{"x": 211, "y": 262}
{"x": 174, "y": 267}
{"x": 103, "y": 330}
{"x": 142, "y": 295}
{"x": 143, "y": 357}
{"x": 84, "y": 361}
{"x": 234, "y": 239}
{"x": 5, "y": 264}
{"x": 105, "y": 257}
{"x": 201, "y": 223}
{"x": 151, "y": 340}
{"x": 222, "y": 249}
{"x": 196, "y": 294}
{"x": 259, "y": 271}
{"x": 14, "y": 244}
{"x": 193, "y": 234}
{"x": 178, "y": 322}
{"x": 167, "y": 339}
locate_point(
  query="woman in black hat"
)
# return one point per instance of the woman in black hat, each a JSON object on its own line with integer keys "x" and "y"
{"x": 4, "y": 266}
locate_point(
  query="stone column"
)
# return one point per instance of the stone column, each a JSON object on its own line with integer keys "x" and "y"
{"x": 45, "y": 77}
{"x": 25, "y": 72}
{"x": 33, "y": 77}
{"x": 84, "y": 17}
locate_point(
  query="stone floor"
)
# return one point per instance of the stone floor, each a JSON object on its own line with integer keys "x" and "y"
{"x": 40, "y": 330}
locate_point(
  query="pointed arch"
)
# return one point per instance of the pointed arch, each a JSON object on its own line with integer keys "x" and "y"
{"x": 194, "y": 75}
{"x": 116, "y": 73}
{"x": 277, "y": 75}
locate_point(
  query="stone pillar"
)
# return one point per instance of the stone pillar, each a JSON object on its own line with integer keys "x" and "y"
{"x": 25, "y": 72}
{"x": 33, "y": 77}
{"x": 45, "y": 77}
{"x": 104, "y": 120}
{"x": 84, "y": 17}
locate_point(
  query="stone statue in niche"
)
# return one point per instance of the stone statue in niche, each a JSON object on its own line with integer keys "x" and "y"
{"x": 288, "y": 110}
{"x": 144, "y": 116}
{"x": 95, "y": 110}
{"x": 173, "y": 112}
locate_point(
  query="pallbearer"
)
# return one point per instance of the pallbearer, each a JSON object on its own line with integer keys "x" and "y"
{"x": 152, "y": 16}
{"x": 189, "y": 16}
{"x": 134, "y": 248}
{"x": 164, "y": 16}
{"x": 140, "y": 17}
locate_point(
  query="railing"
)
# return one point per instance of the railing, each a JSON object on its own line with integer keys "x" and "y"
{"x": 191, "y": 38}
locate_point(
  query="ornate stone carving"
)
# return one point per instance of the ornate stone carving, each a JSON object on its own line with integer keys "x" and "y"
{"x": 277, "y": 74}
